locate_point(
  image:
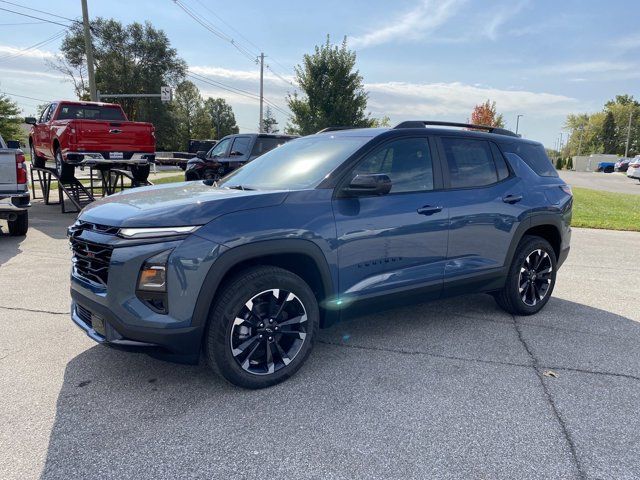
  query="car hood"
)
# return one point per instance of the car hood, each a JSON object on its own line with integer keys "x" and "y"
{"x": 175, "y": 204}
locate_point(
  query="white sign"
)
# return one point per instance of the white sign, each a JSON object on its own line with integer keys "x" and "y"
{"x": 165, "y": 94}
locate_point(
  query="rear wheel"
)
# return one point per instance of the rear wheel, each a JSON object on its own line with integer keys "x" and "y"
{"x": 531, "y": 277}
{"x": 140, "y": 172}
{"x": 63, "y": 169}
{"x": 36, "y": 160}
{"x": 20, "y": 225}
{"x": 262, "y": 327}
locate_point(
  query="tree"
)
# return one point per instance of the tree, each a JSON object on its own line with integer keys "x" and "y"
{"x": 135, "y": 58}
{"x": 9, "y": 120}
{"x": 221, "y": 117}
{"x": 191, "y": 119}
{"x": 559, "y": 163}
{"x": 486, "y": 114}
{"x": 608, "y": 133}
{"x": 332, "y": 91}
{"x": 269, "y": 123}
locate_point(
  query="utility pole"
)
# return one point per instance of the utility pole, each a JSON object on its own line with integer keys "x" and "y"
{"x": 260, "y": 125}
{"x": 626, "y": 149}
{"x": 89, "y": 51}
{"x": 518, "y": 122}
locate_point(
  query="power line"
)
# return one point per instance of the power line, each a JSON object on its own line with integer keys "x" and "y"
{"x": 19, "y": 53}
{"x": 23, "y": 96}
{"x": 228, "y": 25}
{"x": 34, "y": 17}
{"x": 20, "y": 23}
{"x": 39, "y": 11}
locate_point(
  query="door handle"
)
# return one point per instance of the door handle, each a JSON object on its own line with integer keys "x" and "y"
{"x": 511, "y": 198}
{"x": 429, "y": 210}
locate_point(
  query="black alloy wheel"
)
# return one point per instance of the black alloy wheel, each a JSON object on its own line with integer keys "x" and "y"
{"x": 535, "y": 277}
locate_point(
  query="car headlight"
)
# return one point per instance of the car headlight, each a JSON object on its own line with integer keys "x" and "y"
{"x": 152, "y": 282}
{"x": 156, "y": 232}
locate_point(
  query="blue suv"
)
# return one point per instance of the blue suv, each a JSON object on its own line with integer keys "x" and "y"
{"x": 245, "y": 271}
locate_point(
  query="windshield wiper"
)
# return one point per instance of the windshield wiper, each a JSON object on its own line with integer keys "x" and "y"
{"x": 239, "y": 187}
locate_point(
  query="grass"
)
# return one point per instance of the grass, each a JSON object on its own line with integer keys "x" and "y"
{"x": 171, "y": 179}
{"x": 613, "y": 211}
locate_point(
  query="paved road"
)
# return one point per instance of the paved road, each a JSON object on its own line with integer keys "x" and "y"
{"x": 608, "y": 182}
{"x": 452, "y": 389}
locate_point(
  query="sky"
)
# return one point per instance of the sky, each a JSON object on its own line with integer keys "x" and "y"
{"x": 420, "y": 59}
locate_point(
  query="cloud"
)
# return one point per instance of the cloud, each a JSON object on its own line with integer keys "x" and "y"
{"x": 8, "y": 50}
{"x": 629, "y": 42}
{"x": 581, "y": 68}
{"x": 222, "y": 74}
{"x": 414, "y": 24}
{"x": 498, "y": 18}
{"x": 428, "y": 100}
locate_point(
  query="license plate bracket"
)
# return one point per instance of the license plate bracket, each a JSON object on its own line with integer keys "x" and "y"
{"x": 116, "y": 155}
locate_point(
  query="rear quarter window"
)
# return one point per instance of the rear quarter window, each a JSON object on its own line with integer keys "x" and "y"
{"x": 533, "y": 155}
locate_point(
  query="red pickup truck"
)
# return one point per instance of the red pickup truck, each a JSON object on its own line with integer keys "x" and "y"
{"x": 69, "y": 134}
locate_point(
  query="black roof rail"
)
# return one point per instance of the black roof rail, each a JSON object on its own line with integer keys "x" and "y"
{"x": 426, "y": 123}
{"x": 333, "y": 129}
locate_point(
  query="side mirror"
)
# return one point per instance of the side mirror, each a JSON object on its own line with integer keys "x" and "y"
{"x": 13, "y": 144}
{"x": 30, "y": 120}
{"x": 201, "y": 154}
{"x": 368, "y": 184}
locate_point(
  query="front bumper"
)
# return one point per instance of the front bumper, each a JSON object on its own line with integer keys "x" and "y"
{"x": 15, "y": 202}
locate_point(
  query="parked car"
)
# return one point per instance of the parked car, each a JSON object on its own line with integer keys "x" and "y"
{"x": 633, "y": 170}
{"x": 623, "y": 164}
{"x": 230, "y": 153}
{"x": 313, "y": 231}
{"x": 197, "y": 145}
{"x": 606, "y": 167}
{"x": 68, "y": 134}
{"x": 14, "y": 189}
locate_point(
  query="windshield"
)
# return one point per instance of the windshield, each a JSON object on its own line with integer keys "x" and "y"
{"x": 299, "y": 164}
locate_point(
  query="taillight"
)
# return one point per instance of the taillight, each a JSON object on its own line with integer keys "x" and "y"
{"x": 21, "y": 168}
{"x": 566, "y": 189}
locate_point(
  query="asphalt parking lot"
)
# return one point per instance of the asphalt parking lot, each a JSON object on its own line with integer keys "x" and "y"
{"x": 451, "y": 389}
{"x": 617, "y": 182}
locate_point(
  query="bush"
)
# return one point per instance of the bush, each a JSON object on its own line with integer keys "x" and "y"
{"x": 559, "y": 163}
{"x": 569, "y": 163}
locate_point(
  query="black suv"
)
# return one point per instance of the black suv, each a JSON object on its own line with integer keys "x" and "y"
{"x": 230, "y": 153}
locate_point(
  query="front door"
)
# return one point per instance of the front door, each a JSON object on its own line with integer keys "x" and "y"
{"x": 398, "y": 241}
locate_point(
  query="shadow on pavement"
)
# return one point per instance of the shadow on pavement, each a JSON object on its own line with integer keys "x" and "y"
{"x": 463, "y": 376}
{"x": 9, "y": 246}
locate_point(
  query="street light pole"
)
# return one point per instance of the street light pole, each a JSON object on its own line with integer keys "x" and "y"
{"x": 260, "y": 125}
{"x": 518, "y": 121}
{"x": 626, "y": 149}
{"x": 89, "y": 51}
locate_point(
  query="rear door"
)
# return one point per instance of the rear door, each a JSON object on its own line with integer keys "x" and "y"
{"x": 398, "y": 241}
{"x": 484, "y": 200}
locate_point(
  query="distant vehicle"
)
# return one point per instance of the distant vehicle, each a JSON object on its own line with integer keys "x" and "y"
{"x": 14, "y": 189}
{"x": 197, "y": 145}
{"x": 633, "y": 171}
{"x": 623, "y": 164}
{"x": 230, "y": 153}
{"x": 606, "y": 167}
{"x": 69, "y": 134}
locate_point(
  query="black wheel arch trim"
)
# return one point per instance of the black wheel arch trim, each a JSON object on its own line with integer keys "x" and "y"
{"x": 531, "y": 221}
{"x": 236, "y": 255}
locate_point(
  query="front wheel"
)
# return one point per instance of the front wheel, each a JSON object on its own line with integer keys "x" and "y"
{"x": 531, "y": 278}
{"x": 36, "y": 160}
{"x": 262, "y": 327}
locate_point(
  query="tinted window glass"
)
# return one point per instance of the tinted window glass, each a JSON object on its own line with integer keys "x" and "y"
{"x": 300, "y": 163}
{"x": 43, "y": 115}
{"x": 220, "y": 148}
{"x": 240, "y": 146}
{"x": 52, "y": 109}
{"x": 470, "y": 162}
{"x": 265, "y": 144}
{"x": 89, "y": 112}
{"x": 407, "y": 162}
{"x": 501, "y": 163}
{"x": 533, "y": 155}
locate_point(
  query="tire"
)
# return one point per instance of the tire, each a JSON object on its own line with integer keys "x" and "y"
{"x": 140, "y": 172}
{"x": 19, "y": 226}
{"x": 36, "y": 160}
{"x": 63, "y": 169}
{"x": 210, "y": 174}
{"x": 237, "y": 338}
{"x": 538, "y": 283}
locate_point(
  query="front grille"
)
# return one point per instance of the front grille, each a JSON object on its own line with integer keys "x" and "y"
{"x": 91, "y": 261}
{"x": 95, "y": 227}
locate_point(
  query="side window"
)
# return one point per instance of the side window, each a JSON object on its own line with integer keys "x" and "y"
{"x": 470, "y": 162}
{"x": 501, "y": 163}
{"x": 407, "y": 162}
{"x": 265, "y": 144}
{"x": 52, "y": 108}
{"x": 44, "y": 114}
{"x": 220, "y": 148}
{"x": 240, "y": 147}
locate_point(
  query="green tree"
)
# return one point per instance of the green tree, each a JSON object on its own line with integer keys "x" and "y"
{"x": 333, "y": 91}
{"x": 608, "y": 134}
{"x": 135, "y": 58}
{"x": 9, "y": 120}
{"x": 269, "y": 122}
{"x": 221, "y": 117}
{"x": 190, "y": 116}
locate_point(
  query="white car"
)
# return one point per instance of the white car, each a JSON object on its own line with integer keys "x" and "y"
{"x": 634, "y": 168}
